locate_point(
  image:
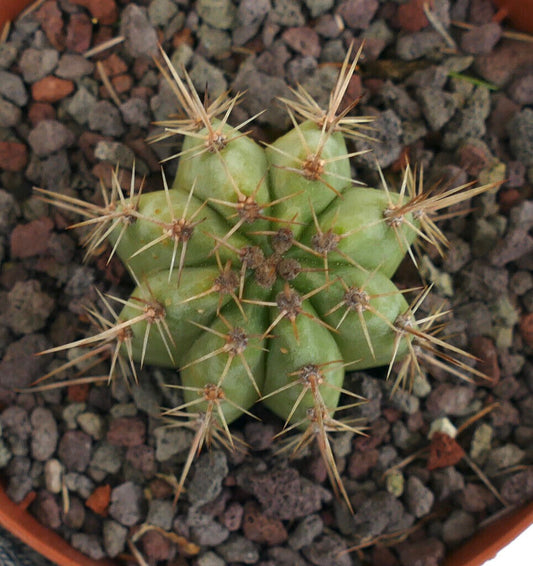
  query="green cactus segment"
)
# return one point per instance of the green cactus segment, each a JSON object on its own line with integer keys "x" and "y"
{"x": 306, "y": 344}
{"x": 237, "y": 169}
{"x": 176, "y": 310}
{"x": 168, "y": 222}
{"x": 310, "y": 168}
{"x": 230, "y": 354}
{"x": 364, "y": 235}
{"x": 362, "y": 307}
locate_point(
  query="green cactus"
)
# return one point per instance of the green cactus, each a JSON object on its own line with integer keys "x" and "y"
{"x": 264, "y": 274}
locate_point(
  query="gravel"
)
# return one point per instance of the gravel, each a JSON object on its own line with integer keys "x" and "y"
{"x": 61, "y": 129}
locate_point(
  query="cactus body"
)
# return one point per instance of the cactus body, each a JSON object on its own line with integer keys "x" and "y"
{"x": 265, "y": 273}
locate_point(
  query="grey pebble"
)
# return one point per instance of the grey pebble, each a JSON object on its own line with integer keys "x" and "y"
{"x": 9, "y": 114}
{"x": 287, "y": 13}
{"x": 437, "y": 105}
{"x": 17, "y": 369}
{"x": 79, "y": 483}
{"x": 160, "y": 12}
{"x": 386, "y": 141}
{"x": 28, "y": 307}
{"x": 126, "y": 504}
{"x": 35, "y": 64}
{"x": 419, "y": 44}
{"x": 327, "y": 551}
{"x": 74, "y": 450}
{"x": 50, "y": 136}
{"x": 284, "y": 556}
{"x": 469, "y": 121}
{"x": 106, "y": 458}
{"x": 306, "y": 531}
{"x": 520, "y": 129}
{"x": 73, "y": 67}
{"x": 16, "y": 428}
{"x": 459, "y": 526}
{"x": 88, "y": 544}
{"x": 92, "y": 423}
{"x": 8, "y": 54}
{"x": 44, "y": 433}
{"x": 71, "y": 412}
{"x": 135, "y": 112}
{"x": 141, "y": 37}
{"x": 206, "y": 482}
{"x": 357, "y": 14}
{"x": 209, "y": 559}
{"x": 377, "y": 513}
{"x": 480, "y": 40}
{"x": 252, "y": 12}
{"x": 317, "y": 7}
{"x": 115, "y": 153}
{"x": 209, "y": 533}
{"x": 203, "y": 73}
{"x": 104, "y": 117}
{"x": 503, "y": 457}
{"x": 214, "y": 43}
{"x": 12, "y": 88}
{"x": 81, "y": 105}
{"x": 217, "y": 13}
{"x": 20, "y": 482}
{"x": 170, "y": 441}
{"x": 160, "y": 513}
{"x": 419, "y": 499}
{"x": 115, "y": 536}
{"x": 239, "y": 549}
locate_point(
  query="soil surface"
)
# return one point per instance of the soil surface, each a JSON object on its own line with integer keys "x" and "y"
{"x": 452, "y": 91}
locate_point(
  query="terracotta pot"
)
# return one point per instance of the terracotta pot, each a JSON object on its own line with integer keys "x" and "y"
{"x": 519, "y": 12}
{"x": 10, "y": 9}
{"x": 17, "y": 520}
{"x": 483, "y": 546}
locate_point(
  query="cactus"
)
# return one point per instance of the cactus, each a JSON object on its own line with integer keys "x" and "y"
{"x": 264, "y": 273}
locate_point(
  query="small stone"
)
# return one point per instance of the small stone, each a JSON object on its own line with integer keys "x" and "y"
{"x": 104, "y": 117}
{"x": 519, "y": 487}
{"x": 458, "y": 526}
{"x": 74, "y": 450}
{"x": 386, "y": 145}
{"x": 419, "y": 44}
{"x": 81, "y": 105}
{"x": 35, "y": 64}
{"x": 520, "y": 130}
{"x": 503, "y": 457}
{"x": 79, "y": 33}
{"x": 481, "y": 443}
{"x": 379, "y": 511}
{"x": 239, "y": 549}
{"x": 160, "y": 514}
{"x": 252, "y": 12}
{"x": 481, "y": 40}
{"x": 73, "y": 67}
{"x": 206, "y": 482}
{"x": 210, "y": 559}
{"x": 88, "y": 544}
{"x": 260, "y": 528}
{"x": 170, "y": 441}
{"x": 44, "y": 435}
{"x": 502, "y": 63}
{"x": 141, "y": 38}
{"x": 17, "y": 368}
{"x": 51, "y": 89}
{"x": 410, "y": 16}
{"x": 53, "y": 472}
{"x": 394, "y": 483}
{"x": 232, "y": 518}
{"x": 135, "y": 112}
{"x": 126, "y": 431}
{"x": 12, "y": 88}
{"x": 106, "y": 458}
{"x": 115, "y": 536}
{"x": 47, "y": 510}
{"x": 28, "y": 307}
{"x": 9, "y": 53}
{"x": 28, "y": 240}
{"x": 306, "y": 531}
{"x": 206, "y": 531}
{"x": 303, "y": 40}
{"x": 521, "y": 89}
{"x": 205, "y": 75}
{"x": 126, "y": 504}
{"x": 357, "y": 14}
{"x": 50, "y": 136}
{"x": 361, "y": 463}
{"x": 40, "y": 111}
{"x": 426, "y": 552}
{"x": 104, "y": 11}
{"x": 327, "y": 550}
{"x": 92, "y": 424}
{"x": 475, "y": 498}
{"x": 419, "y": 498}
{"x": 442, "y": 425}
{"x": 13, "y": 156}
{"x": 9, "y": 114}
{"x": 448, "y": 399}
{"x": 142, "y": 458}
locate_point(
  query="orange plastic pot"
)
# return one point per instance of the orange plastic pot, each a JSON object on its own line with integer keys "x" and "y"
{"x": 10, "y": 9}
{"x": 17, "y": 520}
{"x": 519, "y": 13}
